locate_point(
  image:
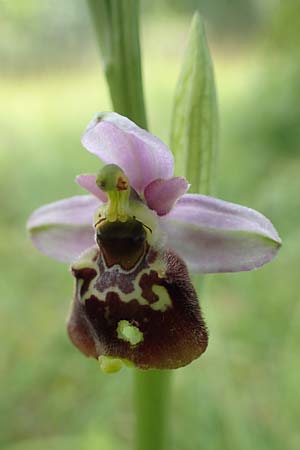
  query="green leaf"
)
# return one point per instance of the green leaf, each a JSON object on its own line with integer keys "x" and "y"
{"x": 117, "y": 28}
{"x": 194, "y": 119}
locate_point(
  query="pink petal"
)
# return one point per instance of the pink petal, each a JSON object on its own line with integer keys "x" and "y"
{"x": 64, "y": 229}
{"x": 212, "y": 235}
{"x": 88, "y": 182}
{"x": 161, "y": 195}
{"x": 142, "y": 156}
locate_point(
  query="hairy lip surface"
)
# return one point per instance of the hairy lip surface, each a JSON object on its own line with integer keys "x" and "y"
{"x": 172, "y": 336}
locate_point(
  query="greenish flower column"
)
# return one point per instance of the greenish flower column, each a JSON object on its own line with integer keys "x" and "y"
{"x": 193, "y": 142}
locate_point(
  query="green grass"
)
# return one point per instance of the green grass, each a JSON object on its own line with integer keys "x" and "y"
{"x": 244, "y": 392}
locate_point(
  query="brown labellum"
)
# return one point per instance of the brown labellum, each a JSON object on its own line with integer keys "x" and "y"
{"x": 134, "y": 302}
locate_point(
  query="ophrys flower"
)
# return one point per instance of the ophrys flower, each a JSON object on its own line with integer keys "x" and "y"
{"x": 131, "y": 244}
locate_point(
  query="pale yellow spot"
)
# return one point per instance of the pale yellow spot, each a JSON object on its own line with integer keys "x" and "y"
{"x": 148, "y": 217}
{"x": 164, "y": 299}
{"x": 109, "y": 364}
{"x": 85, "y": 259}
{"x": 129, "y": 333}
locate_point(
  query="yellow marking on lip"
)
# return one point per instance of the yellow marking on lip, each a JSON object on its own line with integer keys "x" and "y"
{"x": 126, "y": 298}
{"x": 164, "y": 298}
{"x": 109, "y": 364}
{"x": 97, "y": 224}
{"x": 86, "y": 261}
{"x": 129, "y": 333}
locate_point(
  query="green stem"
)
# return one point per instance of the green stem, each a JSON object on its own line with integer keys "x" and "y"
{"x": 116, "y": 24}
{"x": 152, "y": 396}
{"x": 117, "y": 27}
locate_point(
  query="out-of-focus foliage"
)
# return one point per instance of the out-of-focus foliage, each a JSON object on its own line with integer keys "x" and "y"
{"x": 30, "y": 41}
{"x": 284, "y": 31}
{"x": 226, "y": 16}
{"x": 244, "y": 392}
{"x": 273, "y": 103}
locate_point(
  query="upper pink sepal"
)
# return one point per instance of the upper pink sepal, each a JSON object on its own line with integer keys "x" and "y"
{"x": 117, "y": 140}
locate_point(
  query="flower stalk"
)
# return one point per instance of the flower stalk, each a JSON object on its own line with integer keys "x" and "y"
{"x": 152, "y": 405}
{"x": 117, "y": 27}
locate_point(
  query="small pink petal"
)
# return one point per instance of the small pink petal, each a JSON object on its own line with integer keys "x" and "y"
{"x": 64, "y": 229}
{"x": 117, "y": 140}
{"x": 212, "y": 235}
{"x": 161, "y": 195}
{"x": 88, "y": 182}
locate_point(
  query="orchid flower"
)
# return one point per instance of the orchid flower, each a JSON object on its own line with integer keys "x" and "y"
{"x": 132, "y": 244}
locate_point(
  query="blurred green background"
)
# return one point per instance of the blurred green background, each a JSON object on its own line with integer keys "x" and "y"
{"x": 244, "y": 393}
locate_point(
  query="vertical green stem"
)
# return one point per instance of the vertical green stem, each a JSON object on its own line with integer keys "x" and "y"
{"x": 152, "y": 397}
{"x": 116, "y": 24}
{"x": 117, "y": 28}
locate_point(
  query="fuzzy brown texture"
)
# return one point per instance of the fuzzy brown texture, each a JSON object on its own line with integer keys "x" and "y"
{"x": 172, "y": 336}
